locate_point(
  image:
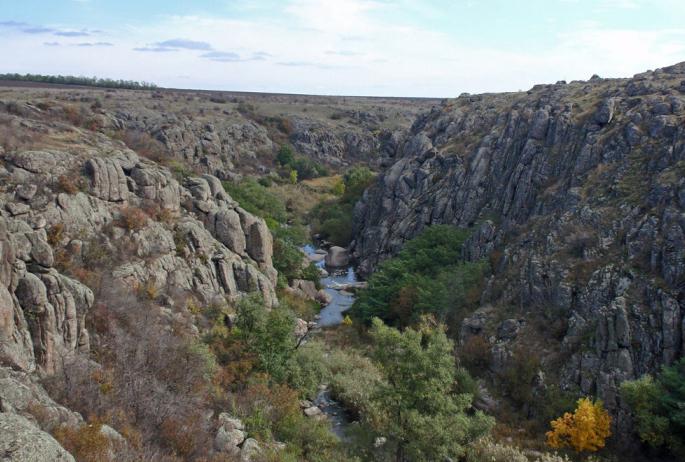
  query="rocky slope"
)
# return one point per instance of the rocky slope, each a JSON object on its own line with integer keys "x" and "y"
{"x": 576, "y": 194}
{"x": 79, "y": 212}
{"x": 225, "y": 133}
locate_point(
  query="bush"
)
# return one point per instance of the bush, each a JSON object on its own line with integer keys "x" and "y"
{"x": 145, "y": 145}
{"x": 356, "y": 180}
{"x": 148, "y": 374}
{"x": 333, "y": 219}
{"x": 475, "y": 354}
{"x": 257, "y": 199}
{"x": 659, "y": 407}
{"x": 303, "y": 168}
{"x": 132, "y": 218}
{"x": 86, "y": 443}
{"x": 309, "y": 369}
{"x": 355, "y": 380}
{"x": 272, "y": 412}
{"x": 267, "y": 334}
{"x": 302, "y": 307}
{"x": 427, "y": 276}
{"x": 69, "y": 184}
{"x": 333, "y": 222}
{"x": 285, "y": 155}
{"x": 416, "y": 407}
{"x": 486, "y": 450}
{"x": 517, "y": 379}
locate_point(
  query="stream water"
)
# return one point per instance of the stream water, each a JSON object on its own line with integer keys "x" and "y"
{"x": 341, "y": 301}
{"x": 332, "y": 315}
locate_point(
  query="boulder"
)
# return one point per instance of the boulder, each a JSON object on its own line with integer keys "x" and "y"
{"x": 323, "y": 297}
{"x": 108, "y": 181}
{"x": 301, "y": 328}
{"x": 313, "y": 411}
{"x": 250, "y": 450}
{"x": 17, "y": 208}
{"x": 305, "y": 287}
{"x": 26, "y": 191}
{"x": 22, "y": 441}
{"x": 230, "y": 434}
{"x": 228, "y": 440}
{"x": 337, "y": 257}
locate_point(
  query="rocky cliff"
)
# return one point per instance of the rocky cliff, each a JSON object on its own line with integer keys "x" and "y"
{"x": 104, "y": 209}
{"x": 576, "y": 194}
{"x": 80, "y": 212}
{"x": 225, "y": 134}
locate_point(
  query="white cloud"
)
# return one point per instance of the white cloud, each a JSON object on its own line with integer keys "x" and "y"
{"x": 343, "y": 47}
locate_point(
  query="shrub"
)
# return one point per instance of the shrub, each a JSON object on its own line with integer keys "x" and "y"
{"x": 150, "y": 374}
{"x": 296, "y": 167}
{"x": 303, "y": 308}
{"x": 486, "y": 450}
{"x": 658, "y": 406}
{"x": 334, "y": 222}
{"x": 475, "y": 354}
{"x": 257, "y": 199}
{"x": 144, "y": 144}
{"x": 132, "y": 218}
{"x": 67, "y": 184}
{"x": 427, "y": 276}
{"x": 267, "y": 334}
{"x": 309, "y": 369}
{"x": 87, "y": 443}
{"x": 333, "y": 219}
{"x": 285, "y": 155}
{"x": 517, "y": 379}
{"x": 75, "y": 115}
{"x": 356, "y": 180}
{"x": 55, "y": 234}
{"x": 179, "y": 435}
{"x": 354, "y": 381}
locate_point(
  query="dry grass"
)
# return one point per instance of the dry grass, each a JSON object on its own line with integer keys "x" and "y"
{"x": 302, "y": 197}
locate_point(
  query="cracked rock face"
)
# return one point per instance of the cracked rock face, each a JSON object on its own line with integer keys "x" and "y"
{"x": 22, "y": 441}
{"x": 575, "y": 192}
{"x": 146, "y": 229}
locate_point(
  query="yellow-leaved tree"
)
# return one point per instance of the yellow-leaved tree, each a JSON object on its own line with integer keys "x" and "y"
{"x": 584, "y": 430}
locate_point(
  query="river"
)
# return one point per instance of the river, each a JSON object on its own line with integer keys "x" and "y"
{"x": 332, "y": 315}
{"x": 341, "y": 300}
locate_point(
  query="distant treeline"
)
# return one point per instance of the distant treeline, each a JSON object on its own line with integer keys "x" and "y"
{"x": 87, "y": 81}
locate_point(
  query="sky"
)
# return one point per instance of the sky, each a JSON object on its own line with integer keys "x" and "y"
{"x": 436, "y": 48}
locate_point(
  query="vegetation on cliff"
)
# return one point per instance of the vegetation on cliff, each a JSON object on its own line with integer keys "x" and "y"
{"x": 429, "y": 276}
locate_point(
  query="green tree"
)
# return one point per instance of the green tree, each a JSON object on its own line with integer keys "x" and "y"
{"x": 268, "y": 334}
{"x": 333, "y": 219}
{"x": 658, "y": 407}
{"x": 417, "y": 407}
{"x": 356, "y": 180}
{"x": 285, "y": 155}
{"x": 427, "y": 276}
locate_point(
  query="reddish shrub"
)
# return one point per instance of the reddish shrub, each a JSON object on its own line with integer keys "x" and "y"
{"x": 86, "y": 443}
{"x": 132, "y": 218}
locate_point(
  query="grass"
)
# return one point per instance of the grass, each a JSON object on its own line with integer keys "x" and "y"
{"x": 301, "y": 198}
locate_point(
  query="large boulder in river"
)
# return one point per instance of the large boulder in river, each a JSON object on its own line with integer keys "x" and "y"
{"x": 337, "y": 257}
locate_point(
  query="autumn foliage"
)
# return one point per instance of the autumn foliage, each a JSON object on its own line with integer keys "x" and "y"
{"x": 584, "y": 430}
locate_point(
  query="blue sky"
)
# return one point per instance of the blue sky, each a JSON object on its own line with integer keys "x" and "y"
{"x": 363, "y": 47}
